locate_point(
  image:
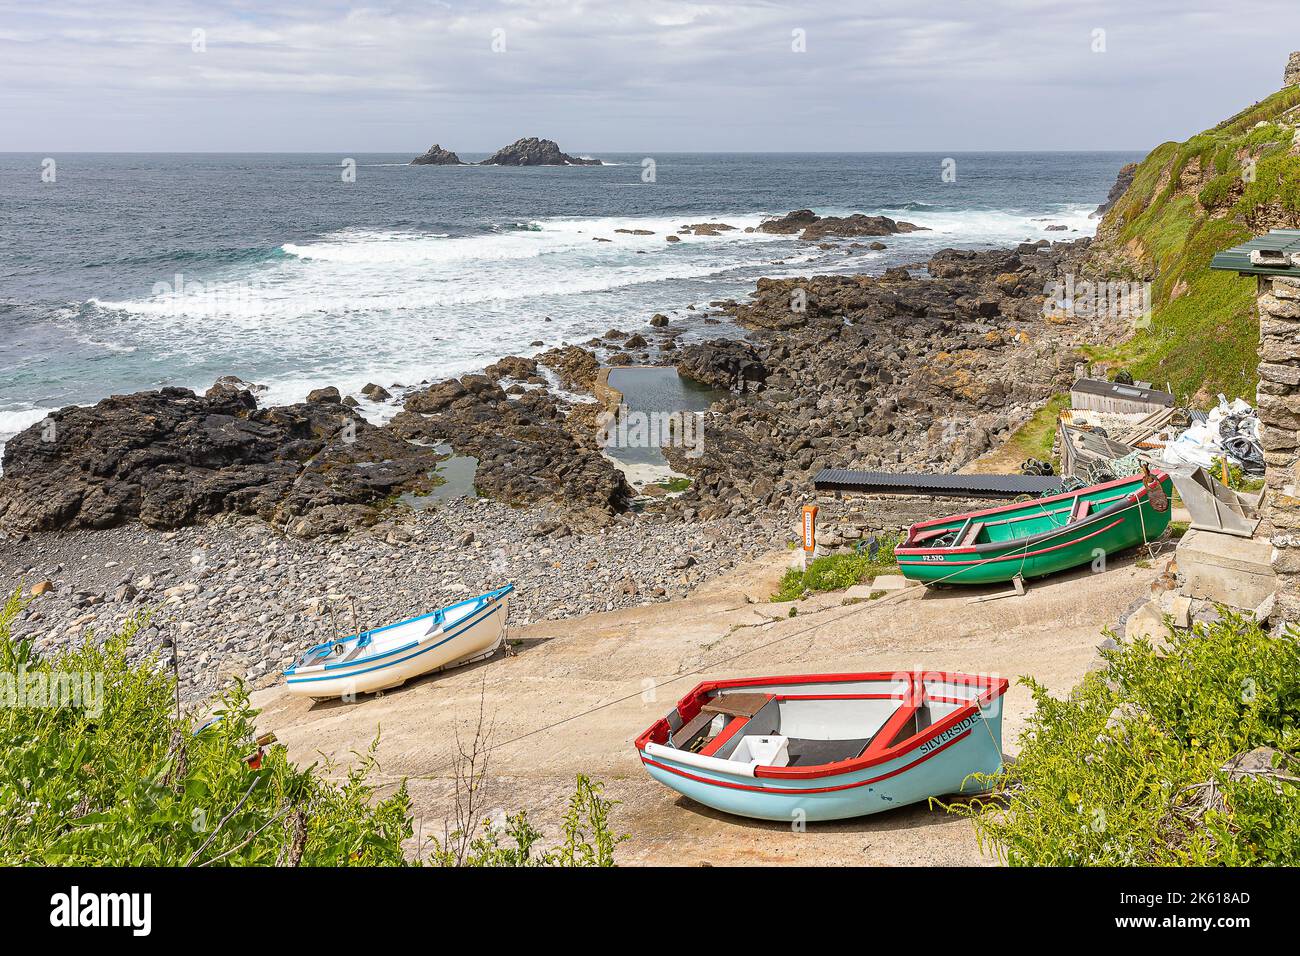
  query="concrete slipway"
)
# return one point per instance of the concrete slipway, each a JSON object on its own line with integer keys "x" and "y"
{"x": 727, "y": 628}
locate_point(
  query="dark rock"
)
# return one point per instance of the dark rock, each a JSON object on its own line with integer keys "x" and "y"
{"x": 790, "y": 223}
{"x": 1122, "y": 182}
{"x": 376, "y": 393}
{"x": 706, "y": 229}
{"x": 813, "y": 227}
{"x": 724, "y": 363}
{"x": 512, "y": 366}
{"x": 576, "y": 367}
{"x": 437, "y": 156}
{"x": 327, "y": 395}
{"x": 856, "y": 225}
{"x": 527, "y": 450}
{"x": 171, "y": 458}
{"x": 535, "y": 152}
{"x": 435, "y": 398}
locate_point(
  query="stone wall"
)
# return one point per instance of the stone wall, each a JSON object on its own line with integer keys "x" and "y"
{"x": 843, "y": 519}
{"x": 1278, "y": 399}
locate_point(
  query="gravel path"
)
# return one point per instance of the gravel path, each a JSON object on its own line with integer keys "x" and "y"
{"x": 242, "y": 600}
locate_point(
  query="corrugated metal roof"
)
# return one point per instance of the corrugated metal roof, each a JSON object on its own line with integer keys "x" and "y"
{"x": 1283, "y": 242}
{"x": 918, "y": 483}
{"x": 1129, "y": 393}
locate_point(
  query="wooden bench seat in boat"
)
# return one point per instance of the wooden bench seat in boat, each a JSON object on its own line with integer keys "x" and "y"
{"x": 742, "y": 706}
{"x": 1080, "y": 510}
{"x": 736, "y": 705}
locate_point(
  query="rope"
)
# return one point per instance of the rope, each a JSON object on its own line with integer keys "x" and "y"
{"x": 854, "y": 609}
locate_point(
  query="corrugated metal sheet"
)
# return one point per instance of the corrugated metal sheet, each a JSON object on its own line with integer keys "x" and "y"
{"x": 1122, "y": 393}
{"x": 918, "y": 483}
{"x": 1237, "y": 259}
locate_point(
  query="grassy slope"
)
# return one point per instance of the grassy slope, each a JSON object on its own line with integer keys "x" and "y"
{"x": 1188, "y": 201}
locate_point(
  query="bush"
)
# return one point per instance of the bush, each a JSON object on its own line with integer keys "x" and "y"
{"x": 1136, "y": 765}
{"x": 120, "y": 779}
{"x": 588, "y": 839}
{"x": 834, "y": 572}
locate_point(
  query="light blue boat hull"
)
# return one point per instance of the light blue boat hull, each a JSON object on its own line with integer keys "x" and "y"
{"x": 905, "y": 781}
{"x": 819, "y": 747}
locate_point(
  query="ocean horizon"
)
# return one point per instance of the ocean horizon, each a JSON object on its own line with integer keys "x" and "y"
{"x": 132, "y": 271}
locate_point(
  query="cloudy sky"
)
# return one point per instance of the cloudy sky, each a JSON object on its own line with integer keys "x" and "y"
{"x": 631, "y": 75}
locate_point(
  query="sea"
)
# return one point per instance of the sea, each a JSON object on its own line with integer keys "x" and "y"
{"x": 123, "y": 272}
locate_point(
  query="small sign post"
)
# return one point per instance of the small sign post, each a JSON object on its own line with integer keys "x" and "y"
{"x": 809, "y": 526}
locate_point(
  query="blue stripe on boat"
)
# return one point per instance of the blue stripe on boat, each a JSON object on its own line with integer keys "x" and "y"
{"x": 462, "y": 626}
{"x": 293, "y": 669}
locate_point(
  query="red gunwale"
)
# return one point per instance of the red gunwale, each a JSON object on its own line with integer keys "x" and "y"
{"x": 1158, "y": 476}
{"x": 803, "y": 790}
{"x": 690, "y": 705}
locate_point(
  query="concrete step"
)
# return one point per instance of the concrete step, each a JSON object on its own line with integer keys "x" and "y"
{"x": 1225, "y": 568}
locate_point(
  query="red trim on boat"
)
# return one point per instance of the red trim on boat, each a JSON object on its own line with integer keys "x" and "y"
{"x": 689, "y": 706}
{"x": 897, "y": 721}
{"x": 727, "y": 732}
{"x": 799, "y": 791}
{"x": 1159, "y": 476}
{"x": 1015, "y": 556}
{"x": 840, "y": 697}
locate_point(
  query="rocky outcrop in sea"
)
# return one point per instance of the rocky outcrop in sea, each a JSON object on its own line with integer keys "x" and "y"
{"x": 811, "y": 227}
{"x": 437, "y": 156}
{"x": 532, "y": 151}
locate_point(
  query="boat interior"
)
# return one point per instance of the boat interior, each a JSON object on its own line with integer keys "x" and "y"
{"x": 1013, "y": 523}
{"x": 803, "y": 725}
{"x": 381, "y": 639}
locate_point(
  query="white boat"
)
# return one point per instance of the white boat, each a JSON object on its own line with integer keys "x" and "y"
{"x": 389, "y": 656}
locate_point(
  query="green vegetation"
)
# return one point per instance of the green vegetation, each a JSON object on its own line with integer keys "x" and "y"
{"x": 1140, "y": 764}
{"x": 835, "y": 572}
{"x": 588, "y": 839}
{"x": 1187, "y": 202}
{"x": 108, "y": 773}
{"x": 674, "y": 485}
{"x": 1237, "y": 479}
{"x": 122, "y": 781}
{"x": 1035, "y": 437}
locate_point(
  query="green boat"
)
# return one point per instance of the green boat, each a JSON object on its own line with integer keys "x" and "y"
{"x": 1032, "y": 538}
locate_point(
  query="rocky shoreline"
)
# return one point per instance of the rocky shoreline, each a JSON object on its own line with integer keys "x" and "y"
{"x": 233, "y": 523}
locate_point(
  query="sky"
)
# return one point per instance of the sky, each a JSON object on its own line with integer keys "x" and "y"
{"x": 631, "y": 75}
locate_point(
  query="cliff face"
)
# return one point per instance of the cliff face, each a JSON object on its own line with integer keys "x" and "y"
{"x": 1185, "y": 202}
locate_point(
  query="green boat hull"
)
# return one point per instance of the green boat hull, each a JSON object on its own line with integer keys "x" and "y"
{"x": 1040, "y": 537}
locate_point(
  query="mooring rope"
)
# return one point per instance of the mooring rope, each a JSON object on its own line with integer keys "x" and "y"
{"x": 853, "y": 609}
